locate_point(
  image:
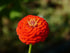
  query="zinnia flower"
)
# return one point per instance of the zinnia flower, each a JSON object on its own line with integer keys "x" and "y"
{"x": 32, "y": 29}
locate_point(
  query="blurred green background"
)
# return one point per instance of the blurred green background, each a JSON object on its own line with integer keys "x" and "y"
{"x": 55, "y": 12}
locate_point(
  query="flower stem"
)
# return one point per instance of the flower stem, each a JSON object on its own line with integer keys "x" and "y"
{"x": 30, "y": 46}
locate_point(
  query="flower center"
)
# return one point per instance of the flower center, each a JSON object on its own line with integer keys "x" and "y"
{"x": 32, "y": 22}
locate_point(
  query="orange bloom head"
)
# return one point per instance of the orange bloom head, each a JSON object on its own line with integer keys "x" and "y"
{"x": 32, "y": 29}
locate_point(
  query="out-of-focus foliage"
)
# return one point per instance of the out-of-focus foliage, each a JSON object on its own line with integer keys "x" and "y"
{"x": 55, "y": 12}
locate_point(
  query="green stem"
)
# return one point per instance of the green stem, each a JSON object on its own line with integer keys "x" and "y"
{"x": 30, "y": 46}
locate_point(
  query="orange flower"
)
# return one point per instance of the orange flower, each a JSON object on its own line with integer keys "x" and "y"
{"x": 32, "y": 29}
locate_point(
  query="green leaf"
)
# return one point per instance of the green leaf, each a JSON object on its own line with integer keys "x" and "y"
{"x": 14, "y": 14}
{"x": 2, "y": 7}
